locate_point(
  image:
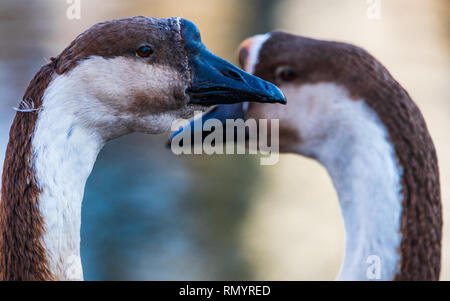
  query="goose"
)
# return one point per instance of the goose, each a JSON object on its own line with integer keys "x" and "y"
{"x": 347, "y": 112}
{"x": 119, "y": 76}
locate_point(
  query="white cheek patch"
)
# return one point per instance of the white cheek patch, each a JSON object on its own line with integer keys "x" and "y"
{"x": 253, "y": 53}
{"x": 156, "y": 124}
{"x": 116, "y": 79}
{"x": 120, "y": 94}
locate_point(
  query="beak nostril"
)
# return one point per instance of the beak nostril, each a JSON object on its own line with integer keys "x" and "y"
{"x": 232, "y": 74}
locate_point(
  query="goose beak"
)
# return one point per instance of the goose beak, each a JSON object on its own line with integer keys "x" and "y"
{"x": 219, "y": 112}
{"x": 215, "y": 81}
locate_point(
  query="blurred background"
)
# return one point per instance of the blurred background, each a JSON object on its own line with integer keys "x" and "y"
{"x": 151, "y": 215}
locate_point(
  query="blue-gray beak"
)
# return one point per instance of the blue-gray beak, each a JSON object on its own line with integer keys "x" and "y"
{"x": 215, "y": 81}
{"x": 220, "y": 112}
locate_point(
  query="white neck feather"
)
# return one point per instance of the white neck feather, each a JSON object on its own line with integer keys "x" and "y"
{"x": 367, "y": 179}
{"x": 64, "y": 153}
{"x": 99, "y": 100}
{"x": 348, "y": 138}
{"x": 362, "y": 164}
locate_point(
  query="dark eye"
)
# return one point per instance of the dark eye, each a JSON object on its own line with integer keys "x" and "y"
{"x": 144, "y": 51}
{"x": 285, "y": 74}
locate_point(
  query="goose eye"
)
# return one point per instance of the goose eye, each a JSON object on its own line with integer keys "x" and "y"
{"x": 144, "y": 51}
{"x": 285, "y": 74}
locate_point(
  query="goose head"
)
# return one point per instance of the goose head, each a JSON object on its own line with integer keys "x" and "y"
{"x": 140, "y": 74}
{"x": 295, "y": 63}
{"x": 120, "y": 76}
{"x": 347, "y": 111}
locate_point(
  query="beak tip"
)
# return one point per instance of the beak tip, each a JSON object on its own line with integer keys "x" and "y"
{"x": 279, "y": 96}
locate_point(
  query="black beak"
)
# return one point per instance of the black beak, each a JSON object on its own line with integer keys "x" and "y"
{"x": 215, "y": 81}
{"x": 219, "y": 112}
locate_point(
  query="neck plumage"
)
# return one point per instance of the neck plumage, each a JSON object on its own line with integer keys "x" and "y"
{"x": 64, "y": 155}
{"x": 367, "y": 178}
{"x": 383, "y": 164}
{"x": 384, "y": 169}
{"x": 49, "y": 158}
